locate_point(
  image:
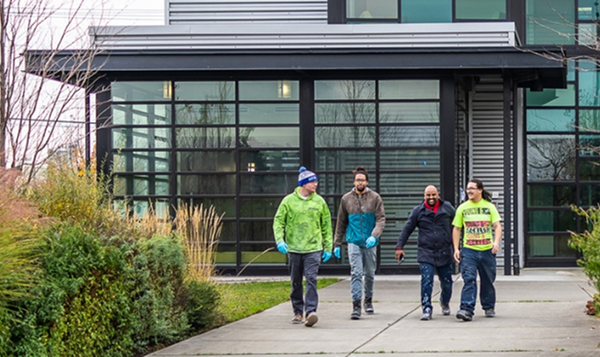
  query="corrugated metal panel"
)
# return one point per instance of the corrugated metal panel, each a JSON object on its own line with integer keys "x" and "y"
{"x": 295, "y": 36}
{"x": 256, "y": 11}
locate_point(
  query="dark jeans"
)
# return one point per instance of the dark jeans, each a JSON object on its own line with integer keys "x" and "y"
{"x": 471, "y": 262}
{"x": 445, "y": 275}
{"x": 307, "y": 265}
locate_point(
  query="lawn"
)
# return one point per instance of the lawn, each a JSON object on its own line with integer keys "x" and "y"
{"x": 245, "y": 299}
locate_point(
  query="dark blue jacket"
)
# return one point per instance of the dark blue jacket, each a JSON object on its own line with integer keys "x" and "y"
{"x": 435, "y": 233}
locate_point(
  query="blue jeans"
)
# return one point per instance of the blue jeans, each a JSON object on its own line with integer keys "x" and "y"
{"x": 363, "y": 262}
{"x": 307, "y": 265}
{"x": 445, "y": 275}
{"x": 471, "y": 262}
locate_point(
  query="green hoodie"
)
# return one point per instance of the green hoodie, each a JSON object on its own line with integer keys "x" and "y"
{"x": 304, "y": 224}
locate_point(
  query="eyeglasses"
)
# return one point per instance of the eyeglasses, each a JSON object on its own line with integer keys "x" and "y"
{"x": 472, "y": 188}
{"x": 360, "y": 180}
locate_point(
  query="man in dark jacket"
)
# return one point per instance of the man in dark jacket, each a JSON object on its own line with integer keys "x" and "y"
{"x": 433, "y": 217}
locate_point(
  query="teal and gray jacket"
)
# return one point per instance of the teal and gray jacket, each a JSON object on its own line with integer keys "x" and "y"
{"x": 304, "y": 224}
{"x": 359, "y": 217}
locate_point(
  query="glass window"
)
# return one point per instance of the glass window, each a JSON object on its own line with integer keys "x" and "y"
{"x": 419, "y": 11}
{"x": 140, "y": 91}
{"x": 344, "y": 160}
{"x": 202, "y": 138}
{"x": 205, "y": 114}
{"x": 550, "y": 120}
{"x": 405, "y": 183}
{"x": 403, "y": 136}
{"x": 225, "y": 206}
{"x": 268, "y": 183}
{"x": 589, "y": 121}
{"x": 587, "y": 34}
{"x": 372, "y": 9}
{"x": 226, "y": 254}
{"x": 259, "y": 207}
{"x": 269, "y": 90}
{"x": 141, "y": 161}
{"x": 552, "y": 97}
{"x": 252, "y": 137}
{"x": 409, "y": 89}
{"x": 257, "y": 231}
{"x": 401, "y": 207}
{"x": 334, "y": 184}
{"x": 270, "y": 160}
{"x": 205, "y": 91}
{"x": 589, "y": 84}
{"x": 589, "y": 145}
{"x": 550, "y": 158}
{"x": 589, "y": 195}
{"x": 552, "y": 221}
{"x": 255, "y": 253}
{"x": 345, "y": 113}
{"x": 141, "y": 138}
{"x": 588, "y": 10}
{"x": 550, "y": 246}
{"x": 409, "y": 113}
{"x": 409, "y": 159}
{"x": 202, "y": 161}
{"x": 141, "y": 114}
{"x": 550, "y": 22}
{"x": 212, "y": 184}
{"x": 589, "y": 170}
{"x": 550, "y": 195}
{"x": 335, "y": 136}
{"x": 481, "y": 9}
{"x": 344, "y": 90}
{"x": 141, "y": 185}
{"x": 571, "y": 70}
{"x": 269, "y": 113}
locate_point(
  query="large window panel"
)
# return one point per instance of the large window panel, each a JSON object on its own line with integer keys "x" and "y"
{"x": 141, "y": 185}
{"x": 401, "y": 207}
{"x": 550, "y": 22}
{"x": 344, "y": 90}
{"x": 589, "y": 170}
{"x": 403, "y": 136}
{"x": 550, "y": 158}
{"x": 205, "y": 91}
{"x": 223, "y": 206}
{"x": 258, "y": 207}
{"x": 589, "y": 83}
{"x": 211, "y": 184}
{"x": 552, "y": 97}
{"x": 270, "y": 160}
{"x": 550, "y": 120}
{"x": 205, "y": 138}
{"x": 141, "y": 91}
{"x": 589, "y": 195}
{"x": 551, "y": 195}
{"x": 141, "y": 114}
{"x": 265, "y": 137}
{"x": 550, "y": 246}
{"x": 268, "y": 183}
{"x": 431, "y": 11}
{"x": 409, "y": 89}
{"x": 226, "y": 254}
{"x": 270, "y": 113}
{"x": 255, "y": 253}
{"x": 257, "y": 231}
{"x": 408, "y": 183}
{"x": 409, "y": 113}
{"x": 346, "y": 160}
{"x": 334, "y": 184}
{"x": 345, "y": 113}
{"x": 141, "y": 138}
{"x": 372, "y": 9}
{"x": 552, "y": 221}
{"x": 141, "y": 161}
{"x": 269, "y": 90}
{"x": 589, "y": 145}
{"x": 200, "y": 161}
{"x": 335, "y": 136}
{"x": 588, "y": 10}
{"x": 205, "y": 114}
{"x": 481, "y": 9}
{"x": 409, "y": 159}
{"x": 589, "y": 120}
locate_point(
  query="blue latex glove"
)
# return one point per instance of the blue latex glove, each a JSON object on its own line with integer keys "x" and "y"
{"x": 282, "y": 247}
{"x": 370, "y": 242}
{"x": 337, "y": 252}
{"x": 326, "y": 256}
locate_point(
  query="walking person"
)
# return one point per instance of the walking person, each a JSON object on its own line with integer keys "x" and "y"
{"x": 302, "y": 229}
{"x": 433, "y": 217}
{"x": 478, "y": 254}
{"x": 360, "y": 222}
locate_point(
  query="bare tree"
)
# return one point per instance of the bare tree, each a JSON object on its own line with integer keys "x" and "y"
{"x": 32, "y": 107}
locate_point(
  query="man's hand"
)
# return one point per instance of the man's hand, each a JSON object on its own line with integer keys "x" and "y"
{"x": 457, "y": 256}
{"x": 337, "y": 252}
{"x": 399, "y": 254}
{"x": 495, "y": 248}
{"x": 370, "y": 242}
{"x": 282, "y": 247}
{"x": 326, "y": 256}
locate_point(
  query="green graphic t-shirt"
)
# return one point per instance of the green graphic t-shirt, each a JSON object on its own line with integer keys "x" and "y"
{"x": 477, "y": 219}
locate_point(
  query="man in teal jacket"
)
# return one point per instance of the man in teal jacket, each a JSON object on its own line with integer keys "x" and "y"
{"x": 302, "y": 228}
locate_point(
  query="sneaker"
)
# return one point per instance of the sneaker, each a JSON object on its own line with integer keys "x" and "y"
{"x": 464, "y": 315}
{"x": 445, "y": 310}
{"x": 426, "y": 316}
{"x": 311, "y": 319}
{"x": 297, "y": 319}
{"x": 490, "y": 313}
{"x": 355, "y": 310}
{"x": 369, "y": 305}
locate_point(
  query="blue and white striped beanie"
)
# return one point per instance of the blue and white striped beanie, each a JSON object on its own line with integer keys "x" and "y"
{"x": 306, "y": 176}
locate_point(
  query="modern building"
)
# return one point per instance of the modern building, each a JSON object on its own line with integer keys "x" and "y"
{"x": 223, "y": 104}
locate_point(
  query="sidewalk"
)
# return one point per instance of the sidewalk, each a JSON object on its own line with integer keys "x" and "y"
{"x": 539, "y": 313}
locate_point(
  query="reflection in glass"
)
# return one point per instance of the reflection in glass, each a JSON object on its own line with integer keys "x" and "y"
{"x": 409, "y": 136}
{"x": 268, "y": 183}
{"x": 141, "y": 161}
{"x": 256, "y": 254}
{"x": 141, "y": 138}
{"x": 409, "y": 89}
{"x": 588, "y": 10}
{"x": 285, "y": 137}
{"x": 345, "y": 160}
{"x": 589, "y": 195}
{"x": 431, "y": 11}
{"x": 552, "y": 97}
{"x": 372, "y": 9}
{"x": 589, "y": 145}
{"x": 550, "y": 157}
{"x": 205, "y": 91}
{"x": 270, "y": 160}
{"x": 202, "y": 138}
{"x": 226, "y": 254}
{"x": 333, "y": 184}
{"x": 205, "y": 114}
{"x": 550, "y": 120}
{"x": 589, "y": 120}
{"x": 224, "y": 206}
{"x": 345, "y": 113}
{"x": 549, "y": 22}
{"x": 335, "y": 136}
{"x": 259, "y": 207}
{"x": 201, "y": 161}
{"x": 550, "y": 246}
{"x": 550, "y": 195}
{"x": 481, "y": 9}
{"x": 401, "y": 207}
{"x": 345, "y": 90}
{"x": 269, "y": 90}
{"x": 141, "y": 185}
{"x": 589, "y": 170}
{"x": 418, "y": 159}
{"x": 141, "y": 114}
{"x": 409, "y": 113}
{"x": 281, "y": 113}
{"x": 140, "y": 91}
{"x": 589, "y": 83}
{"x": 206, "y": 184}
{"x": 407, "y": 183}
{"x": 256, "y": 231}
{"x": 552, "y": 221}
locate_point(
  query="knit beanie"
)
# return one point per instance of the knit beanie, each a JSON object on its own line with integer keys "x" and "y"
{"x": 306, "y": 176}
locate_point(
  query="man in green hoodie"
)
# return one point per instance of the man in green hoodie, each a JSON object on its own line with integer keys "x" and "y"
{"x": 302, "y": 228}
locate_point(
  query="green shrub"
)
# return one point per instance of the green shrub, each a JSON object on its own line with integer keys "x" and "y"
{"x": 203, "y": 304}
{"x": 588, "y": 243}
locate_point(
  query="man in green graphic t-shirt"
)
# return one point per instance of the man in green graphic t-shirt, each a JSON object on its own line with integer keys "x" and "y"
{"x": 478, "y": 216}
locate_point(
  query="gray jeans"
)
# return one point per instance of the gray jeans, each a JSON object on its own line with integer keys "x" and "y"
{"x": 363, "y": 262}
{"x": 307, "y": 265}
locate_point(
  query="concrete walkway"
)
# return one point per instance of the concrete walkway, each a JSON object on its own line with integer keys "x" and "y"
{"x": 539, "y": 313}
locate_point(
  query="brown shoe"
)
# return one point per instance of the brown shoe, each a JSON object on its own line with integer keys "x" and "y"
{"x": 297, "y": 319}
{"x": 311, "y": 319}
